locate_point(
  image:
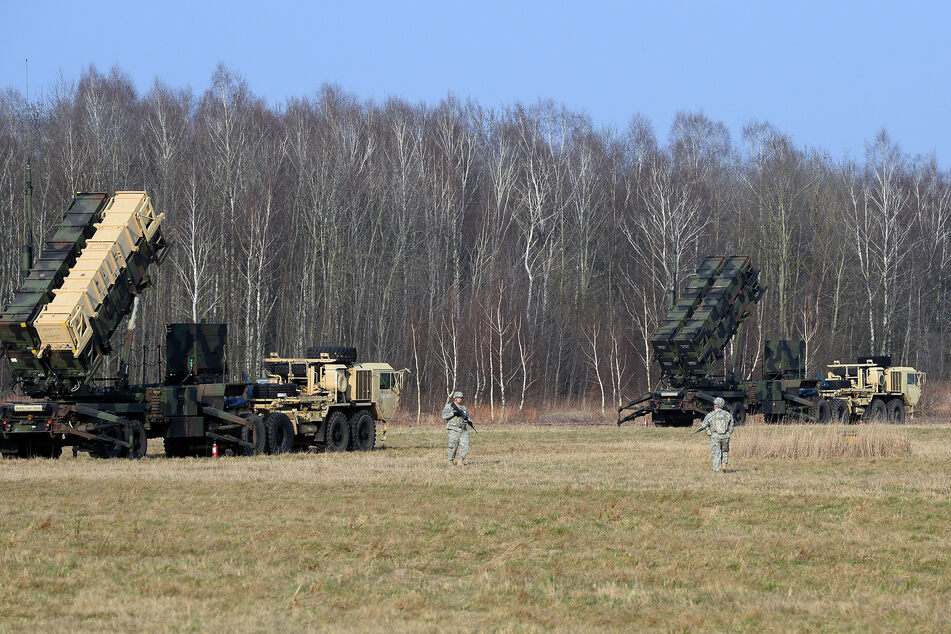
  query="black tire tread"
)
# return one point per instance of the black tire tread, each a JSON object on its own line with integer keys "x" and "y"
{"x": 877, "y": 412}
{"x": 280, "y": 433}
{"x": 897, "y": 414}
{"x": 362, "y": 431}
{"x": 738, "y": 411}
{"x": 273, "y": 390}
{"x": 334, "y": 421}
{"x": 839, "y": 412}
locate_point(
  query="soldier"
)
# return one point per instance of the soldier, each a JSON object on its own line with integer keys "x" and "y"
{"x": 719, "y": 425}
{"x": 457, "y": 421}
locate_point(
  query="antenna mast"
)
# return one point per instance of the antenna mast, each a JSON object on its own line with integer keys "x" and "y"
{"x": 26, "y": 252}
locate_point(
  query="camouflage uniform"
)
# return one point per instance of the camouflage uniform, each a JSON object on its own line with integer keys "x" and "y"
{"x": 458, "y": 430}
{"x": 719, "y": 443}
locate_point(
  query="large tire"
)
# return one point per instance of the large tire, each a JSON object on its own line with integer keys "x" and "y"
{"x": 876, "y": 412}
{"x": 363, "y": 431}
{"x": 107, "y": 450}
{"x": 823, "y": 411}
{"x": 839, "y": 412}
{"x": 896, "y": 411}
{"x": 738, "y": 411}
{"x": 273, "y": 390}
{"x": 343, "y": 354}
{"x": 337, "y": 432}
{"x": 140, "y": 440}
{"x": 276, "y": 367}
{"x": 280, "y": 433}
{"x": 256, "y": 434}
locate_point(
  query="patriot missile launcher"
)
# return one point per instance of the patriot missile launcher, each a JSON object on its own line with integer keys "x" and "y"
{"x": 57, "y": 330}
{"x": 694, "y": 336}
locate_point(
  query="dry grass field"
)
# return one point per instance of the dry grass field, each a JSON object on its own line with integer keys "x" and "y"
{"x": 565, "y": 527}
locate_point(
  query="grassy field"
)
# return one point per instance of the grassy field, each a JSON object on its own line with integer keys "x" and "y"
{"x": 550, "y": 527}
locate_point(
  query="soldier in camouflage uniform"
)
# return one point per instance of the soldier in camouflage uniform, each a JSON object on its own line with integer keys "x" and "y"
{"x": 455, "y": 415}
{"x": 719, "y": 426}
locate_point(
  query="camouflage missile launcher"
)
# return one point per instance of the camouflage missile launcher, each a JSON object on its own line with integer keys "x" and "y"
{"x": 193, "y": 410}
{"x": 325, "y": 400}
{"x": 58, "y": 327}
{"x": 785, "y": 393}
{"x": 702, "y": 322}
{"x": 18, "y": 337}
{"x": 687, "y": 345}
{"x": 196, "y": 408}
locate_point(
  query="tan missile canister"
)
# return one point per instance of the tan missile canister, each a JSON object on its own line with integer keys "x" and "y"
{"x": 64, "y": 323}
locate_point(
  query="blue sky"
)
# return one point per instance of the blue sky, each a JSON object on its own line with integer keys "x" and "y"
{"x": 830, "y": 74}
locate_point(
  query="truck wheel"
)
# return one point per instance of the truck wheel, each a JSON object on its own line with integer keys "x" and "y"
{"x": 280, "y": 433}
{"x": 363, "y": 430}
{"x": 896, "y": 411}
{"x": 738, "y": 411}
{"x": 876, "y": 412}
{"x": 343, "y": 354}
{"x": 106, "y": 449}
{"x": 839, "y": 412}
{"x": 823, "y": 411}
{"x": 337, "y": 434}
{"x": 256, "y": 435}
{"x": 140, "y": 441}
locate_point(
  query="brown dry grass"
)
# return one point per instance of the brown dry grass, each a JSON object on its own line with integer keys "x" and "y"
{"x": 935, "y": 400}
{"x": 822, "y": 441}
{"x": 557, "y": 527}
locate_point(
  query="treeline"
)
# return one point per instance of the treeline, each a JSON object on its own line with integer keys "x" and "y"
{"x": 520, "y": 254}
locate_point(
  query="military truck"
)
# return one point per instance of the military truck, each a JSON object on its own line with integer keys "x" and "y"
{"x": 694, "y": 336}
{"x": 325, "y": 400}
{"x": 871, "y": 390}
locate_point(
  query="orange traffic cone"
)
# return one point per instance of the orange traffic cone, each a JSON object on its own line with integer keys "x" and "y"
{"x": 214, "y": 450}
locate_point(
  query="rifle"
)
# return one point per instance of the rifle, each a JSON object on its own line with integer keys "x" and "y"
{"x": 464, "y": 416}
{"x": 698, "y": 430}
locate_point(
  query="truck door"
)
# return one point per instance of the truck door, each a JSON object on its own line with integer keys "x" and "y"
{"x": 913, "y": 381}
{"x": 389, "y": 394}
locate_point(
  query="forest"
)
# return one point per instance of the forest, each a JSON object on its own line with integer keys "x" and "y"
{"x": 518, "y": 253}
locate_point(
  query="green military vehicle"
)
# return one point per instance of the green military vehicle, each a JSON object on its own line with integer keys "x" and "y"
{"x": 57, "y": 331}
{"x": 325, "y": 400}
{"x": 872, "y": 390}
{"x": 694, "y": 336}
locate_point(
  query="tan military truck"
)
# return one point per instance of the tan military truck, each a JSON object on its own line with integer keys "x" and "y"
{"x": 871, "y": 390}
{"x": 325, "y": 400}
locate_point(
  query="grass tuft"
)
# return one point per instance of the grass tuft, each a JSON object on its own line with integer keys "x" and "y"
{"x": 821, "y": 441}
